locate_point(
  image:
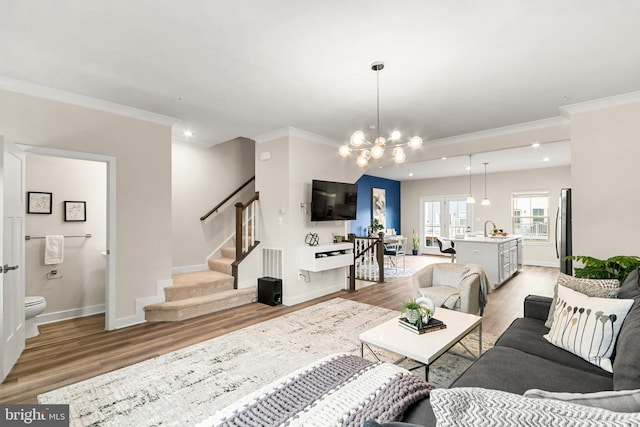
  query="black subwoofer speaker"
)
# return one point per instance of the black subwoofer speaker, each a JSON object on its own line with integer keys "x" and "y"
{"x": 270, "y": 290}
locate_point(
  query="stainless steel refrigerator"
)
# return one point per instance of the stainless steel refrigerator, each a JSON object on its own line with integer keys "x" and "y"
{"x": 563, "y": 231}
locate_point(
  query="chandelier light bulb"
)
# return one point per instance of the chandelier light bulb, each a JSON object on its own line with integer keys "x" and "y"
{"x": 362, "y": 161}
{"x": 415, "y": 142}
{"x": 380, "y": 141}
{"x": 398, "y": 155}
{"x": 377, "y": 151}
{"x": 395, "y": 135}
{"x": 344, "y": 151}
{"x": 358, "y": 138}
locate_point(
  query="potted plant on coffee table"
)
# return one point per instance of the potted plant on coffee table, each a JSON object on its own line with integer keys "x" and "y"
{"x": 415, "y": 313}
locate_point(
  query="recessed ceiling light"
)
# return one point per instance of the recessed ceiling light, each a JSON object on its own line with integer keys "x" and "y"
{"x": 535, "y": 145}
{"x": 545, "y": 159}
{"x": 188, "y": 133}
{"x": 468, "y": 168}
{"x": 443, "y": 158}
{"x": 410, "y": 173}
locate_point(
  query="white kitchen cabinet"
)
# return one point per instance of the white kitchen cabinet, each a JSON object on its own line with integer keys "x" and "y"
{"x": 501, "y": 257}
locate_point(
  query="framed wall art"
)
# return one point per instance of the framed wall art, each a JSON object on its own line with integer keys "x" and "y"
{"x": 75, "y": 211}
{"x": 379, "y": 206}
{"x": 39, "y": 202}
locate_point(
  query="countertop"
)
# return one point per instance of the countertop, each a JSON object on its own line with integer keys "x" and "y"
{"x": 494, "y": 240}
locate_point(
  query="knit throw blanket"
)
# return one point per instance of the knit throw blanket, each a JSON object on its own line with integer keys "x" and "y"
{"x": 339, "y": 390}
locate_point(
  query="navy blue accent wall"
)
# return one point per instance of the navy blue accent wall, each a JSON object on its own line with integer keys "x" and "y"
{"x": 366, "y": 182}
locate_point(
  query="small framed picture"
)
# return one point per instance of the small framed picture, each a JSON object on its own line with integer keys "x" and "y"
{"x": 39, "y": 202}
{"x": 75, "y": 211}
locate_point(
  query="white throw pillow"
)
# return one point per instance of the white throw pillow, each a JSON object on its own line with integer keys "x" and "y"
{"x": 587, "y": 326}
{"x": 601, "y": 288}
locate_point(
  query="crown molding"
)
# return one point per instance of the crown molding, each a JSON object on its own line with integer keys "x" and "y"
{"x": 599, "y": 104}
{"x": 26, "y": 88}
{"x": 501, "y": 131}
{"x": 298, "y": 133}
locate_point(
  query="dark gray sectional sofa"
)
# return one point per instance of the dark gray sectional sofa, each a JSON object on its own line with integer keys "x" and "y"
{"x": 522, "y": 359}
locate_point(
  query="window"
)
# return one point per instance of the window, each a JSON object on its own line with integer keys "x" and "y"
{"x": 530, "y": 215}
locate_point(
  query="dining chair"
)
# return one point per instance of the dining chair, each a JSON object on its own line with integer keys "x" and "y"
{"x": 395, "y": 251}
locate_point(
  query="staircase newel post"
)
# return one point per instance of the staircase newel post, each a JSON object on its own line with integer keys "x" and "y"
{"x": 352, "y": 268}
{"x": 380, "y": 253}
{"x": 239, "y": 239}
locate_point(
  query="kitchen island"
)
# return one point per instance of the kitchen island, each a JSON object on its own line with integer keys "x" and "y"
{"x": 501, "y": 256}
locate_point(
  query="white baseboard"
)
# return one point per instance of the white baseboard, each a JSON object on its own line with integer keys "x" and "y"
{"x": 138, "y": 318}
{"x": 74, "y": 313}
{"x": 189, "y": 268}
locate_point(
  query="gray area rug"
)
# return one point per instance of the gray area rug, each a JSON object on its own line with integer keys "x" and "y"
{"x": 188, "y": 385}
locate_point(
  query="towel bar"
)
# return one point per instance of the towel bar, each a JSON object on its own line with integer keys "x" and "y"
{"x": 42, "y": 237}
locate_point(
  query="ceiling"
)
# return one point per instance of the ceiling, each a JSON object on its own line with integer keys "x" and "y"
{"x": 226, "y": 69}
{"x": 555, "y": 154}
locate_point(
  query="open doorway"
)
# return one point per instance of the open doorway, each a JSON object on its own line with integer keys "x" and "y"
{"x": 83, "y": 284}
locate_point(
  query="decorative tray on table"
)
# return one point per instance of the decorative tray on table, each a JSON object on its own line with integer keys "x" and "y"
{"x": 432, "y": 325}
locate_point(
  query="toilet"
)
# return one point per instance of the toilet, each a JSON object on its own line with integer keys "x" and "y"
{"x": 32, "y": 307}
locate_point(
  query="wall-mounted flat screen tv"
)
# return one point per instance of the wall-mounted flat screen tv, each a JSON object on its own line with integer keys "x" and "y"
{"x": 333, "y": 201}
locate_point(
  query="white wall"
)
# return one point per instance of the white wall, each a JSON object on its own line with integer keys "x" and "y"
{"x": 284, "y": 183}
{"x": 143, "y": 190}
{"x": 500, "y": 187}
{"x": 605, "y": 153}
{"x": 201, "y": 178}
{"x": 79, "y": 285}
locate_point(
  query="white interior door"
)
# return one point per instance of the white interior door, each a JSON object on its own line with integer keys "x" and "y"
{"x": 12, "y": 175}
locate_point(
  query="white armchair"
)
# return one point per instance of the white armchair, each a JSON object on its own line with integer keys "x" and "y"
{"x": 460, "y": 287}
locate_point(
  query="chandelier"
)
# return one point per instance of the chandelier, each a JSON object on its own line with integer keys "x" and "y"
{"x": 376, "y": 150}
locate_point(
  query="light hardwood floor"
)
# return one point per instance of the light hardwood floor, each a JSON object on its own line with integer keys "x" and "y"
{"x": 71, "y": 351}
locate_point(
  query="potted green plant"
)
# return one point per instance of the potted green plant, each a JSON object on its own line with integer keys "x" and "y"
{"x": 415, "y": 313}
{"x": 376, "y": 226}
{"x": 617, "y": 267}
{"x": 416, "y": 243}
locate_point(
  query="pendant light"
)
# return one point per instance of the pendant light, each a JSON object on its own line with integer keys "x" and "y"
{"x": 485, "y": 201}
{"x": 470, "y": 198}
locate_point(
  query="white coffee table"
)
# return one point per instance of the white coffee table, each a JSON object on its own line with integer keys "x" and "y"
{"x": 425, "y": 348}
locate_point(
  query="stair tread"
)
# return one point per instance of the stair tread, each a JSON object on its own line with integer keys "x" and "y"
{"x": 197, "y": 277}
{"x": 222, "y": 260}
{"x": 204, "y": 299}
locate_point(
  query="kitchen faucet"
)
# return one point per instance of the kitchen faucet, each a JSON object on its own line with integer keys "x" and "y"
{"x": 485, "y": 227}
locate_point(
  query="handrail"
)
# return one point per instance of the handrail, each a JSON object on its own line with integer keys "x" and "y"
{"x": 226, "y": 199}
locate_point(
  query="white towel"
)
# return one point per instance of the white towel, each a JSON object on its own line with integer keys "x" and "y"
{"x": 53, "y": 249}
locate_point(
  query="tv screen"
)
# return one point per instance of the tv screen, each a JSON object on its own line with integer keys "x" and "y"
{"x": 333, "y": 201}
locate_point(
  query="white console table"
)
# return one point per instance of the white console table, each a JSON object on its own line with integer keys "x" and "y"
{"x": 326, "y": 257}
